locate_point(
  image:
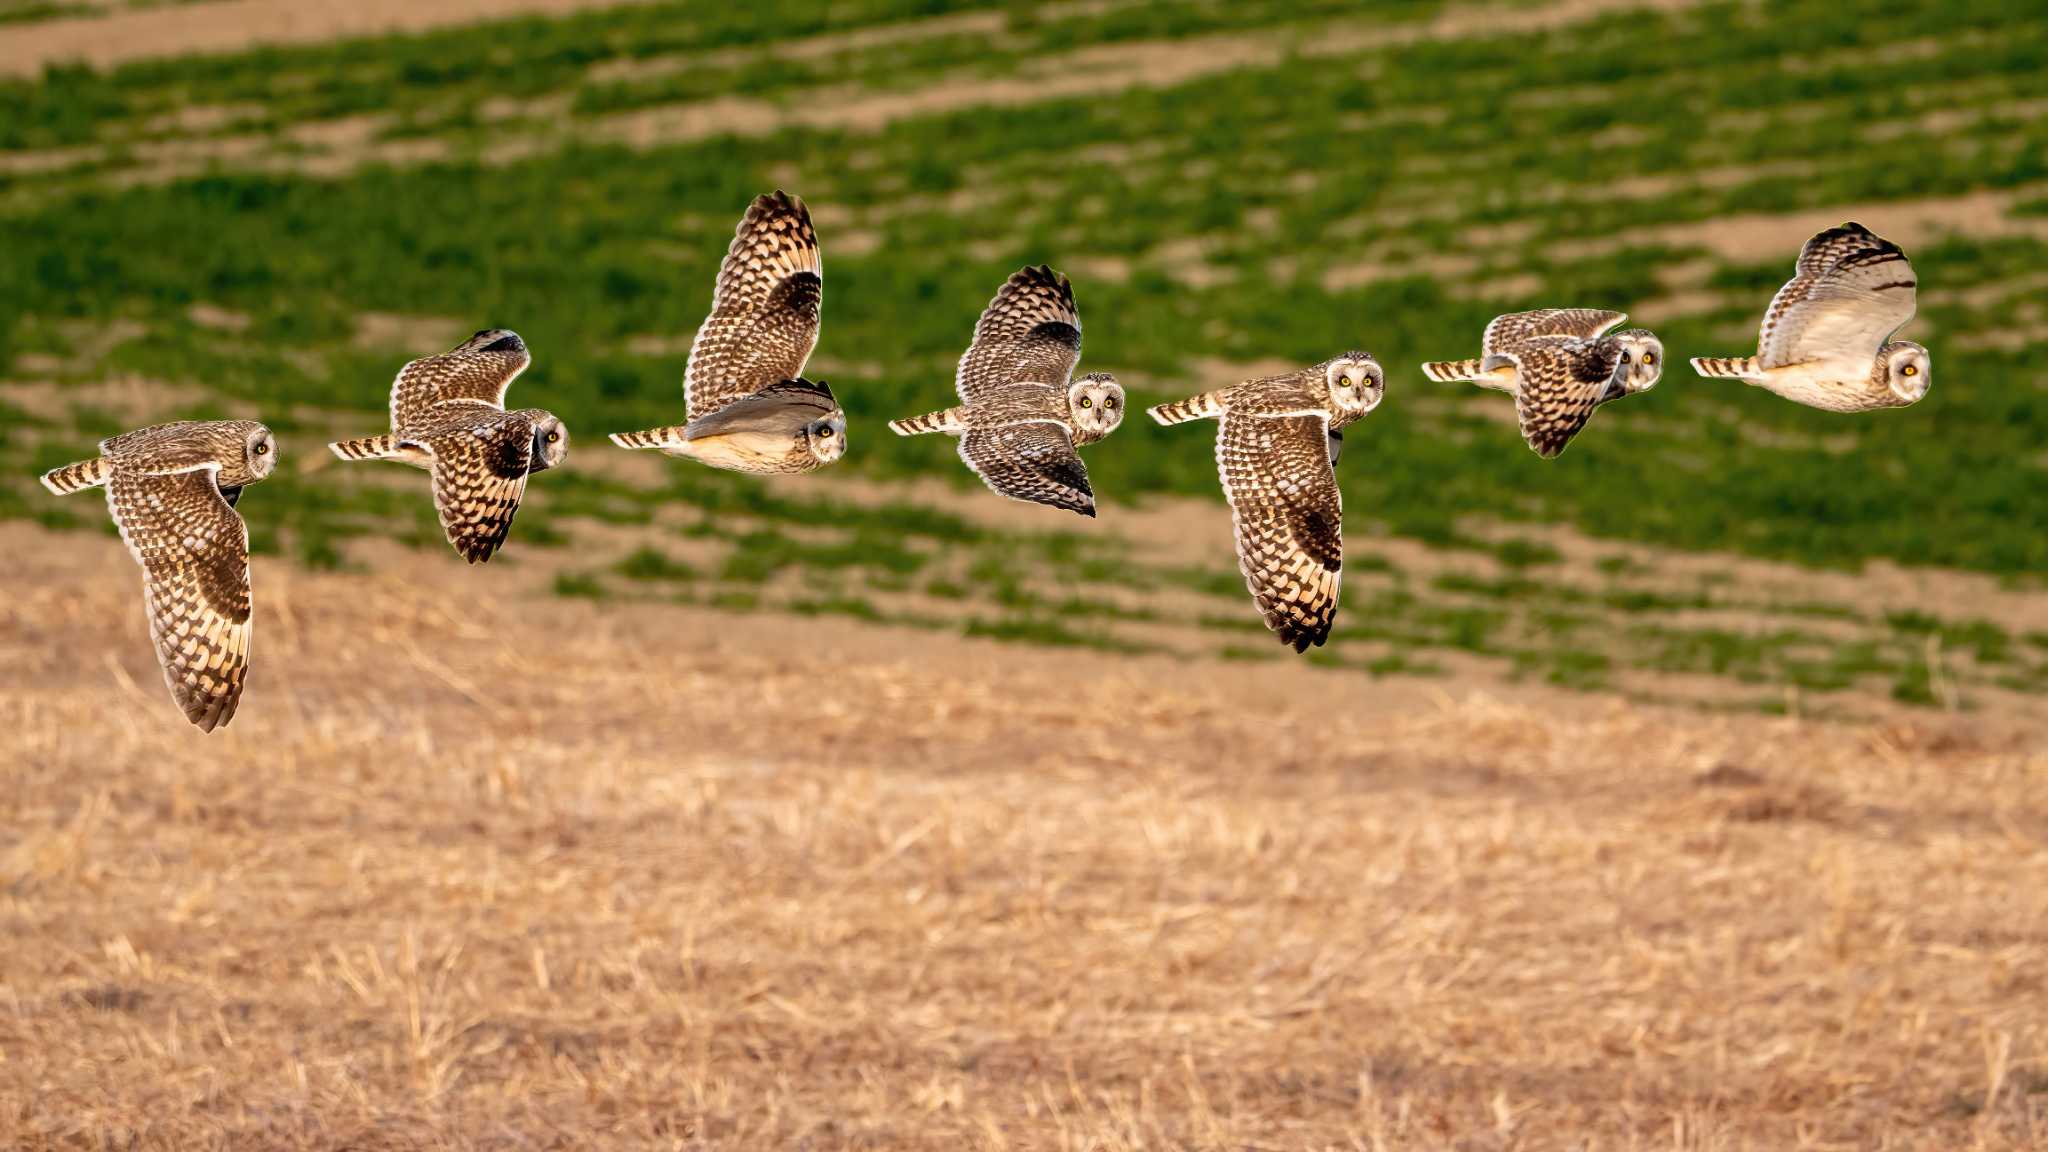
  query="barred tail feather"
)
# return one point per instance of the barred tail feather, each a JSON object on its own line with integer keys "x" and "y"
{"x": 1730, "y": 367}
{"x": 656, "y": 438}
{"x": 1452, "y": 371}
{"x": 76, "y": 477}
{"x": 946, "y": 421}
{"x": 366, "y": 448}
{"x": 1207, "y": 405}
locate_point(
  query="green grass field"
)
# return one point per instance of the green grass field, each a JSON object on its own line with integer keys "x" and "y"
{"x": 275, "y": 230}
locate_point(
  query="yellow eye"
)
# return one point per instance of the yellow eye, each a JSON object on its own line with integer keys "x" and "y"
{"x": 554, "y": 437}
{"x": 1087, "y": 402}
{"x": 1649, "y": 357}
{"x": 263, "y": 449}
{"x": 1912, "y": 370}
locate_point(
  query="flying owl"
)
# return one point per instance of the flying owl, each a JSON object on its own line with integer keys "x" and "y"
{"x": 1275, "y": 449}
{"x": 448, "y": 416}
{"x": 1559, "y": 364}
{"x": 749, "y": 408}
{"x": 172, "y": 490}
{"x": 1021, "y": 419}
{"x": 1826, "y": 339}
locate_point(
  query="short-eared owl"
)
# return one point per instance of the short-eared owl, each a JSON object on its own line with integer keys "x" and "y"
{"x": 1826, "y": 339}
{"x": 1275, "y": 449}
{"x": 172, "y": 490}
{"x": 748, "y": 407}
{"x": 1021, "y": 418}
{"x": 1559, "y": 364}
{"x": 448, "y": 416}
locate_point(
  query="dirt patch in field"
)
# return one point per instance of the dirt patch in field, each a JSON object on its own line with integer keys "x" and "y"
{"x": 235, "y": 25}
{"x": 781, "y": 882}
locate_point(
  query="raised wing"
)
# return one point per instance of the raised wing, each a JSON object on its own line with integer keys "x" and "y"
{"x": 1852, "y": 291}
{"x": 477, "y": 372}
{"x": 1515, "y": 327}
{"x": 764, "y": 311}
{"x": 1289, "y": 518}
{"x": 1560, "y": 380}
{"x": 1033, "y": 461}
{"x": 1030, "y": 333}
{"x": 194, "y": 552}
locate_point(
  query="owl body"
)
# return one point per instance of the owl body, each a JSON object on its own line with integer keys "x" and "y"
{"x": 1826, "y": 338}
{"x": 1559, "y": 364}
{"x": 1276, "y": 447}
{"x": 172, "y": 490}
{"x": 749, "y": 408}
{"x": 448, "y": 417}
{"x": 1023, "y": 414}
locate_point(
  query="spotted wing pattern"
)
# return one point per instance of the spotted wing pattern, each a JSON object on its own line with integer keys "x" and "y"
{"x": 481, "y": 377}
{"x": 1030, "y": 333}
{"x": 194, "y": 552}
{"x": 1515, "y": 327}
{"x": 479, "y": 473}
{"x": 1289, "y": 517}
{"x": 764, "y": 312}
{"x": 1033, "y": 461}
{"x": 1852, "y": 291}
{"x": 1560, "y": 380}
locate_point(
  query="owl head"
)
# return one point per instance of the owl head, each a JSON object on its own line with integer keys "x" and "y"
{"x": 1096, "y": 403}
{"x": 259, "y": 453}
{"x": 550, "y": 443}
{"x": 493, "y": 340}
{"x": 1906, "y": 368}
{"x": 825, "y": 437}
{"x": 1642, "y": 360}
{"x": 1357, "y": 385}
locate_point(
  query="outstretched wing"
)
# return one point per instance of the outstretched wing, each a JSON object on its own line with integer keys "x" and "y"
{"x": 194, "y": 552}
{"x": 1852, "y": 291}
{"x": 479, "y": 376}
{"x": 1030, "y": 333}
{"x": 1515, "y": 327}
{"x": 479, "y": 472}
{"x": 1289, "y": 517}
{"x": 1560, "y": 380}
{"x": 764, "y": 311}
{"x": 1033, "y": 461}
{"x": 783, "y": 407}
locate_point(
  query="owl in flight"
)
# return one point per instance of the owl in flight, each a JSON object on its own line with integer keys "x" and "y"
{"x": 1559, "y": 364}
{"x": 1826, "y": 339}
{"x": 1275, "y": 449}
{"x": 172, "y": 490}
{"x": 1021, "y": 418}
{"x": 749, "y": 407}
{"x": 448, "y": 416}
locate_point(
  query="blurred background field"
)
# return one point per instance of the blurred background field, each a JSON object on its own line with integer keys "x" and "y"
{"x": 264, "y": 207}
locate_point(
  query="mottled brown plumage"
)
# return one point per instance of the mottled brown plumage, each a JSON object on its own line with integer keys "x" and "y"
{"x": 1021, "y": 416}
{"x": 1275, "y": 454}
{"x": 171, "y": 489}
{"x": 448, "y": 416}
{"x": 1559, "y": 364}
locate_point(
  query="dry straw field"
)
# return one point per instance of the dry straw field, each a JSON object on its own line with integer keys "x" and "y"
{"x": 490, "y": 870}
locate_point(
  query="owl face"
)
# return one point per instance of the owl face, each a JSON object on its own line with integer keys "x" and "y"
{"x": 1908, "y": 370}
{"x": 1357, "y": 385}
{"x": 1096, "y": 404}
{"x": 493, "y": 340}
{"x": 1642, "y": 360}
{"x": 258, "y": 458}
{"x": 825, "y": 438}
{"x": 550, "y": 443}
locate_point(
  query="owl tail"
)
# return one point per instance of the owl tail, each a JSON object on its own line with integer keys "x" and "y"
{"x": 1733, "y": 368}
{"x": 76, "y": 477}
{"x": 366, "y": 448}
{"x": 949, "y": 420}
{"x": 1452, "y": 371}
{"x": 662, "y": 439}
{"x": 1201, "y": 407}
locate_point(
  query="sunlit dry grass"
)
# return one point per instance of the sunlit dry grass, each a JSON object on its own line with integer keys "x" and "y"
{"x": 472, "y": 870}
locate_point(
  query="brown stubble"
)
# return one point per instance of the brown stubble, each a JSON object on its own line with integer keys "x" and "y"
{"x": 740, "y": 881}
